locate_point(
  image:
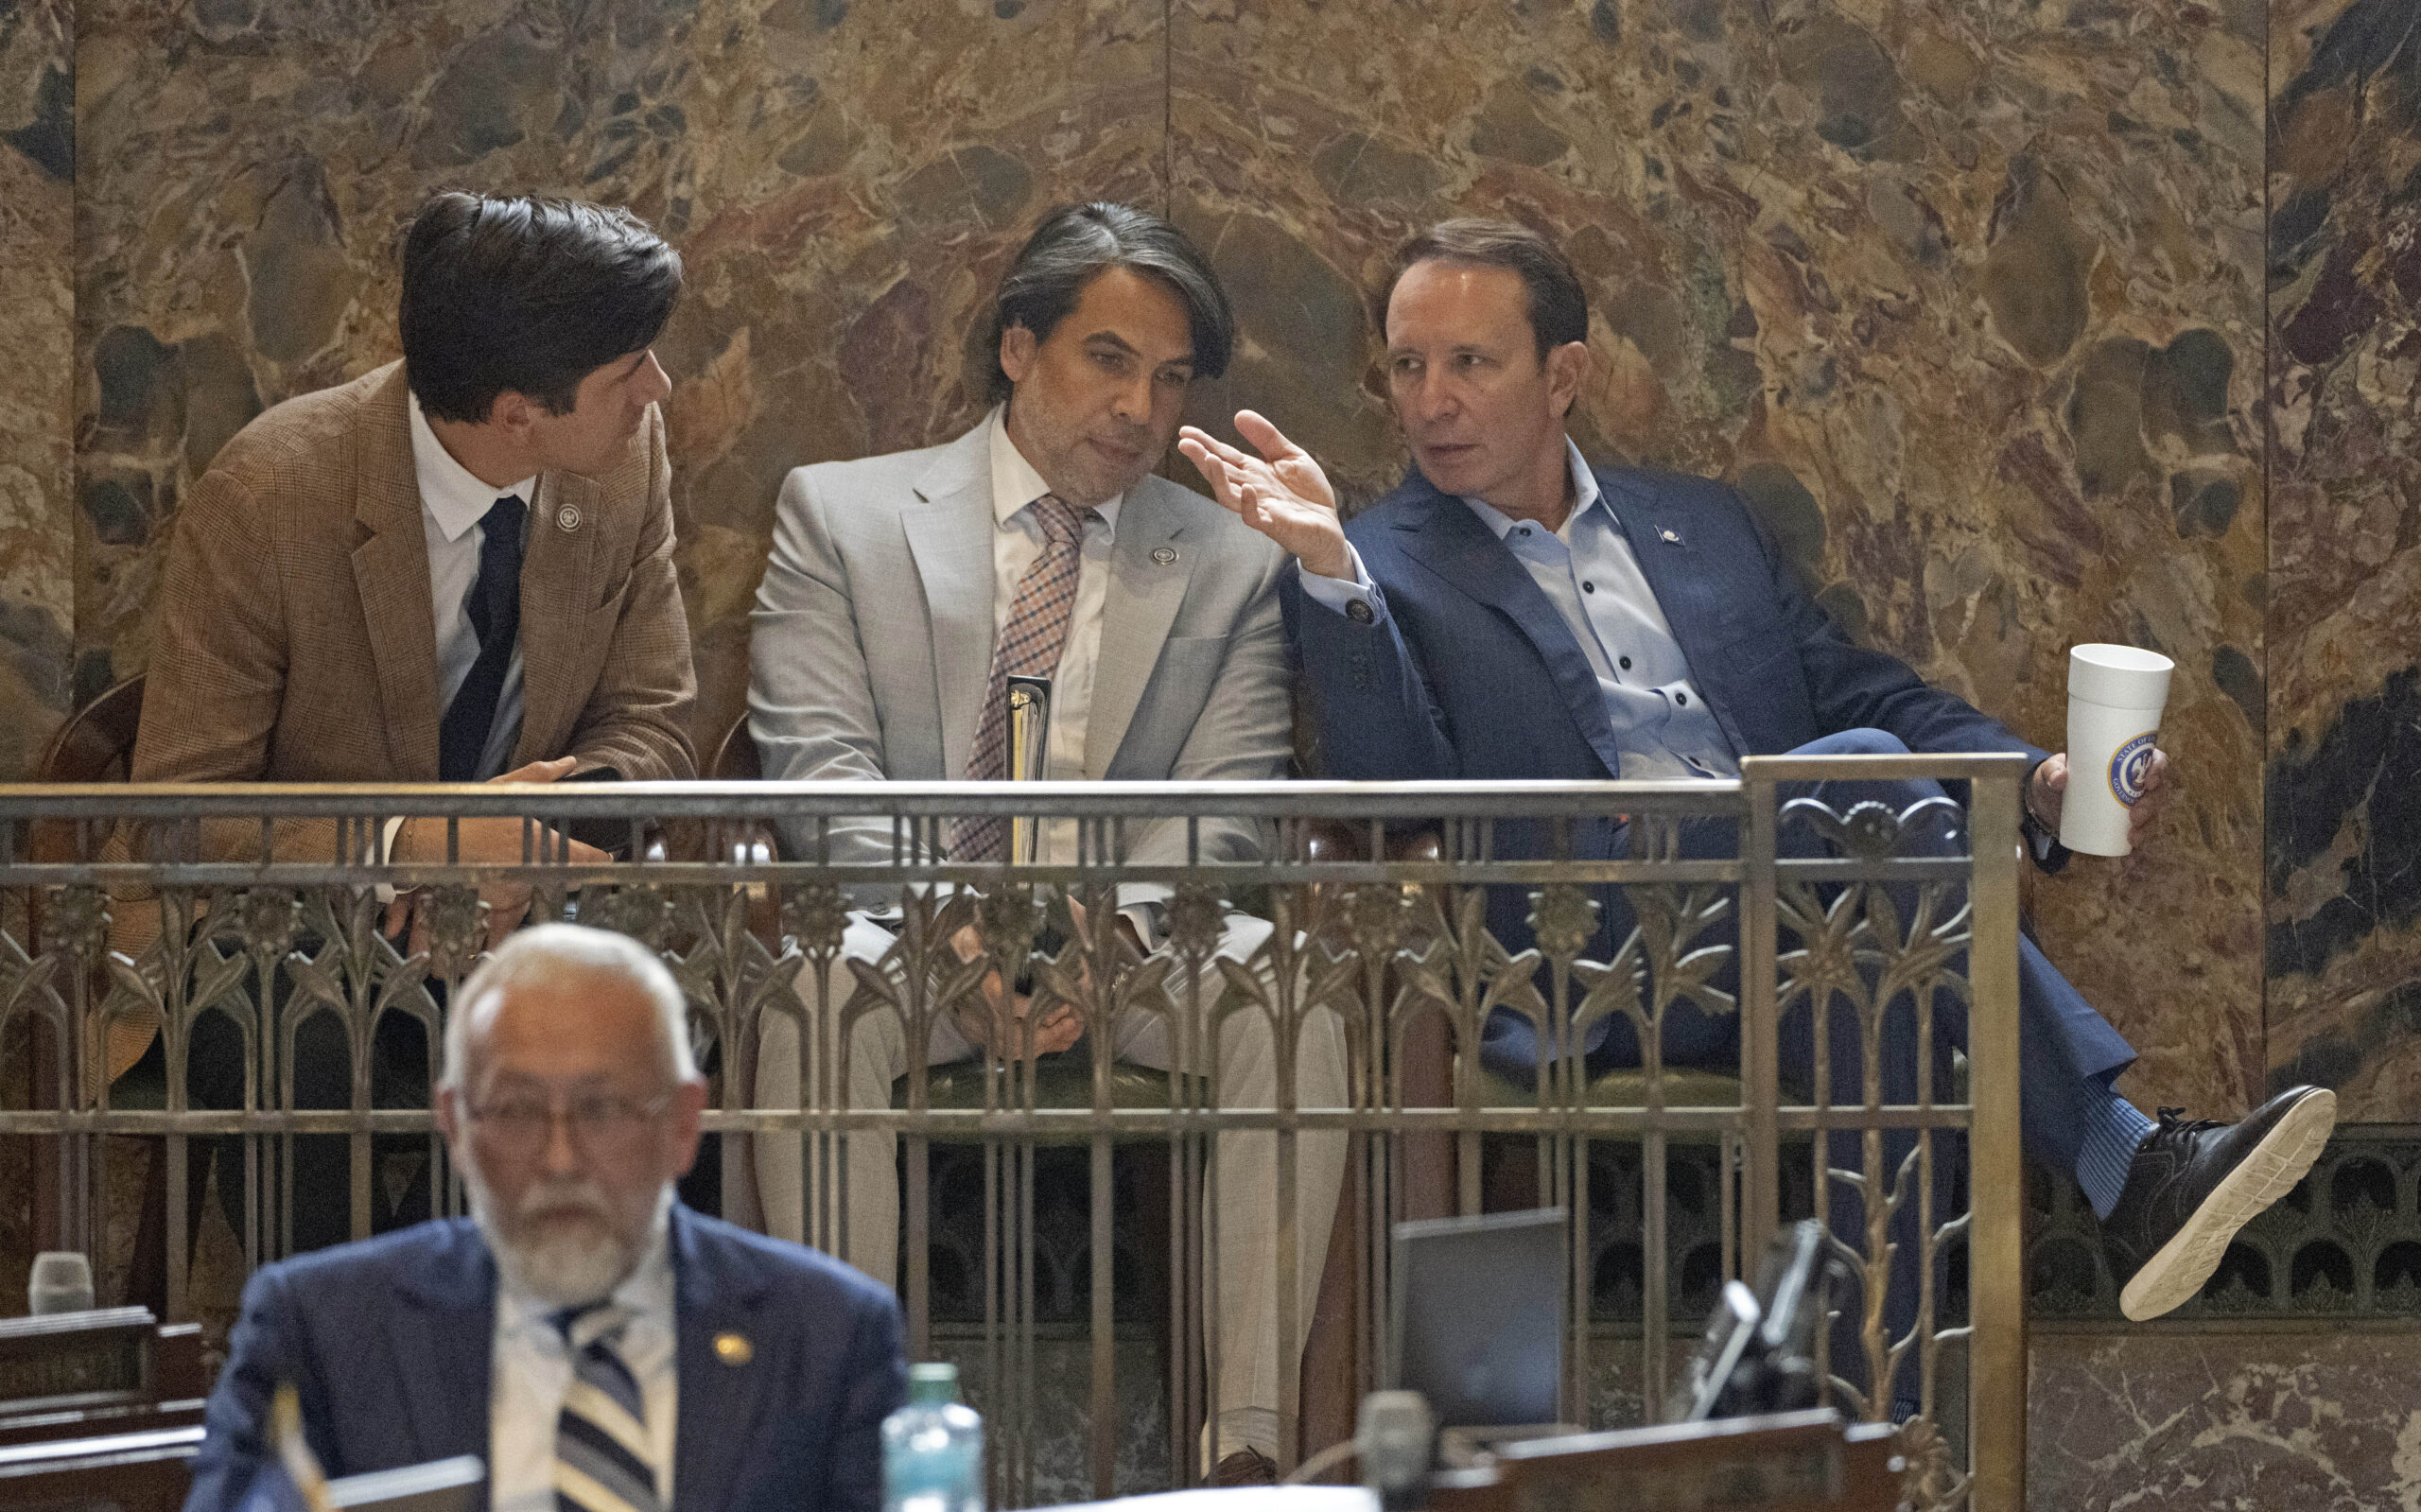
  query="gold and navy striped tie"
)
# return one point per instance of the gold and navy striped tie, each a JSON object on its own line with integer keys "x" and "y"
{"x": 602, "y": 1459}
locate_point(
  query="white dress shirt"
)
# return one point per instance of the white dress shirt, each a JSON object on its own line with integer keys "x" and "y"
{"x": 532, "y": 1371}
{"x": 1662, "y": 726}
{"x": 1017, "y": 542}
{"x": 452, "y": 503}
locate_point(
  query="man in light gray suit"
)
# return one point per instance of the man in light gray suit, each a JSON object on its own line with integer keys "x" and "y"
{"x": 903, "y": 590}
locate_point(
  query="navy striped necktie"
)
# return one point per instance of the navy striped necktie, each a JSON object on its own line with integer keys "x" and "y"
{"x": 603, "y": 1458}
{"x": 495, "y": 610}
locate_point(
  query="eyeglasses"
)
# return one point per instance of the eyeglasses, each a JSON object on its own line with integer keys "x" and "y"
{"x": 597, "y": 1121}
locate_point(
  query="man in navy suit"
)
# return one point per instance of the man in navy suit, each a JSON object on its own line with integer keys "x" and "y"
{"x": 599, "y": 1346}
{"x": 1513, "y": 612}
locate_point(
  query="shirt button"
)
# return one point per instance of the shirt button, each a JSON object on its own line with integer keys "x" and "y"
{"x": 1626, "y": 664}
{"x": 1681, "y": 699}
{"x": 1522, "y": 532}
{"x": 1588, "y": 587}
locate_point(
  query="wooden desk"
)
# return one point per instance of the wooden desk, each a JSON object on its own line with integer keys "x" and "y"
{"x": 98, "y": 1408}
{"x": 1792, "y": 1462}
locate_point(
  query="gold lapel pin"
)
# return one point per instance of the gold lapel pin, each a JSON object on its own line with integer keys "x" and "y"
{"x": 734, "y": 1350}
{"x": 567, "y": 519}
{"x": 1164, "y": 554}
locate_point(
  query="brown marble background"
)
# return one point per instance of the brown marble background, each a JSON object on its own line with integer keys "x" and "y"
{"x": 37, "y": 407}
{"x": 36, "y": 469}
{"x": 2343, "y": 920}
{"x": 843, "y": 181}
{"x": 2184, "y": 1422}
{"x": 1969, "y": 298}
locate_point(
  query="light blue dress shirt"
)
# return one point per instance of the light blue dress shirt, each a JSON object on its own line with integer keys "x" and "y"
{"x": 1663, "y": 727}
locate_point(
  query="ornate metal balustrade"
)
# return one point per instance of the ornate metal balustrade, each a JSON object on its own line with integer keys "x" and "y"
{"x": 248, "y": 913}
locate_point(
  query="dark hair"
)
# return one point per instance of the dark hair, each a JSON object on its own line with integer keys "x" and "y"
{"x": 1557, "y": 307}
{"x": 1073, "y": 245}
{"x": 526, "y": 294}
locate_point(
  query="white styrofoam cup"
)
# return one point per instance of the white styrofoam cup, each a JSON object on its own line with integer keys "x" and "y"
{"x": 2115, "y": 697}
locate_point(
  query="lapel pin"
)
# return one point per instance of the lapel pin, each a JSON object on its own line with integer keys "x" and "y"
{"x": 567, "y": 519}
{"x": 1673, "y": 536}
{"x": 734, "y": 1350}
{"x": 1164, "y": 554}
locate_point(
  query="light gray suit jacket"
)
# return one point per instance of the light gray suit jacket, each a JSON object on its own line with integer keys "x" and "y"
{"x": 871, "y": 642}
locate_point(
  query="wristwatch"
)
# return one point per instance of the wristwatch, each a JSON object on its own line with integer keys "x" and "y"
{"x": 2040, "y": 839}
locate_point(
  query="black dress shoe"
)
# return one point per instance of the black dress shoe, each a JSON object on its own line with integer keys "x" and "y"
{"x": 2193, "y": 1185}
{"x": 1246, "y": 1466}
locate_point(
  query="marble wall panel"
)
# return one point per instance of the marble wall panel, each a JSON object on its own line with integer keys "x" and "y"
{"x": 845, "y": 182}
{"x": 2344, "y": 775}
{"x": 1966, "y": 297}
{"x": 2320, "y": 1423}
{"x": 37, "y": 251}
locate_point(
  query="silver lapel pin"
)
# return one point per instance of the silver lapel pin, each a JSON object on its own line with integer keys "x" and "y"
{"x": 567, "y": 519}
{"x": 1164, "y": 554}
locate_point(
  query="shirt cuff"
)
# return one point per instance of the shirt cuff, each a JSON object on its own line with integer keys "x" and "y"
{"x": 1144, "y": 905}
{"x": 385, "y": 892}
{"x": 1357, "y": 601}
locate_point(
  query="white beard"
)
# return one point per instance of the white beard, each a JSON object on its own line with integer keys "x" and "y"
{"x": 564, "y": 1267}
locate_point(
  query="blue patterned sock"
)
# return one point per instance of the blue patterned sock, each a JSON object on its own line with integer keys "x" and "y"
{"x": 2113, "y": 1132}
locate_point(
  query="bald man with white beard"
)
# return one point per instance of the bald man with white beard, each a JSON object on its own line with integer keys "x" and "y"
{"x": 600, "y": 1347}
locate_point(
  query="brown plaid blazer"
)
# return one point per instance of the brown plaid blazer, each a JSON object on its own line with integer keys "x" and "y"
{"x": 295, "y": 641}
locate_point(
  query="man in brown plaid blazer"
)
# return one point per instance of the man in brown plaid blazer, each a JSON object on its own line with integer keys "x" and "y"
{"x": 296, "y": 639}
{"x": 299, "y": 639}
{"x": 457, "y": 567}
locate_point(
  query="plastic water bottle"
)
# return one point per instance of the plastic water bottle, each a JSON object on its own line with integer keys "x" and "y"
{"x": 933, "y": 1449}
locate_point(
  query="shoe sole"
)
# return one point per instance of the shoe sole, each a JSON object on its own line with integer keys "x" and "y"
{"x": 2183, "y": 1264}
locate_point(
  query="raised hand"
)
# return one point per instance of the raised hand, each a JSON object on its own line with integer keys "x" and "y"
{"x": 1282, "y": 493}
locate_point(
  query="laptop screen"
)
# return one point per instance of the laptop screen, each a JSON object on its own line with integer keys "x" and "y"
{"x": 1478, "y": 1316}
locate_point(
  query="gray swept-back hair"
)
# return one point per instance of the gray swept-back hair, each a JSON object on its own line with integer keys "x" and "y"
{"x": 553, "y": 948}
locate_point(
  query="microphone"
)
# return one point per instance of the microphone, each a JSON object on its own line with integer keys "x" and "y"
{"x": 61, "y": 1283}
{"x": 1394, "y": 1439}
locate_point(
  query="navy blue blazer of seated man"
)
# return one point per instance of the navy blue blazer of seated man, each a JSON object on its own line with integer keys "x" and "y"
{"x": 779, "y": 1363}
{"x": 1512, "y": 612}
{"x": 389, "y": 1343}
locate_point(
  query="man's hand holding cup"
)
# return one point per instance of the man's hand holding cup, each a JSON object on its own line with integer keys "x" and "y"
{"x": 2102, "y": 794}
{"x": 2046, "y": 791}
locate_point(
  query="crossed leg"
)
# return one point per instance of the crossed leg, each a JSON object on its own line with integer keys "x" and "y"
{"x": 1251, "y": 1358}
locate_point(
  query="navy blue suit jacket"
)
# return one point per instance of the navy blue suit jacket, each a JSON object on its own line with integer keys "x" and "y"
{"x": 1472, "y": 672}
{"x": 390, "y": 1342}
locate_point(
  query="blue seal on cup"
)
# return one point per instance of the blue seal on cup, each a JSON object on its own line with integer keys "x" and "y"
{"x": 2130, "y": 765}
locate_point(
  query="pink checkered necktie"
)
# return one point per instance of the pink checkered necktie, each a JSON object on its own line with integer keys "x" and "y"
{"x": 1028, "y": 647}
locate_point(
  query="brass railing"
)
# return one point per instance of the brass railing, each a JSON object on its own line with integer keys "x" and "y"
{"x": 1393, "y": 941}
